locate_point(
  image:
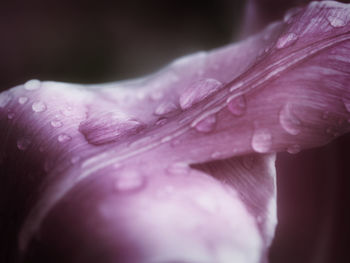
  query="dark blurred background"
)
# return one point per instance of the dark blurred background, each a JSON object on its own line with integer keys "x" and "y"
{"x": 99, "y": 41}
{"x": 92, "y": 42}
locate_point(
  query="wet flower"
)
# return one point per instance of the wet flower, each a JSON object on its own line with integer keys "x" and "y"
{"x": 107, "y": 183}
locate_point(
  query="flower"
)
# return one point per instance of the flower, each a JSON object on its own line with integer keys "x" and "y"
{"x": 179, "y": 165}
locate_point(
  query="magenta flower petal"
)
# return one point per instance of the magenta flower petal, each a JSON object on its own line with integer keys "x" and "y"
{"x": 98, "y": 161}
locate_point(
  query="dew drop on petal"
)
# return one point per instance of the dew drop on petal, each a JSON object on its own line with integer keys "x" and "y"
{"x": 56, "y": 123}
{"x": 33, "y": 84}
{"x": 5, "y": 98}
{"x": 293, "y": 149}
{"x": 165, "y": 108}
{"x": 22, "y": 100}
{"x": 129, "y": 182}
{"x": 336, "y": 21}
{"x": 198, "y": 91}
{"x": 286, "y": 40}
{"x": 23, "y": 144}
{"x": 207, "y": 124}
{"x": 237, "y": 105}
{"x": 109, "y": 127}
{"x": 261, "y": 140}
{"x": 39, "y": 106}
{"x": 63, "y": 138}
{"x": 288, "y": 120}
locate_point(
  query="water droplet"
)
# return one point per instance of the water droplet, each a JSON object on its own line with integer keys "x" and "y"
{"x": 165, "y": 108}
{"x": 63, "y": 138}
{"x": 10, "y": 115}
{"x": 38, "y": 106}
{"x": 237, "y": 105}
{"x": 207, "y": 124}
{"x": 5, "y": 98}
{"x": 108, "y": 127}
{"x": 74, "y": 159}
{"x": 293, "y": 149}
{"x": 33, "y": 84}
{"x": 336, "y": 21}
{"x": 261, "y": 140}
{"x": 22, "y": 100}
{"x": 56, "y": 123}
{"x": 178, "y": 168}
{"x": 23, "y": 144}
{"x": 286, "y": 40}
{"x": 198, "y": 91}
{"x": 288, "y": 120}
{"x": 129, "y": 182}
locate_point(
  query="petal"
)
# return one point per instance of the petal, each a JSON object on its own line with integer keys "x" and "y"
{"x": 168, "y": 216}
{"x": 284, "y": 89}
